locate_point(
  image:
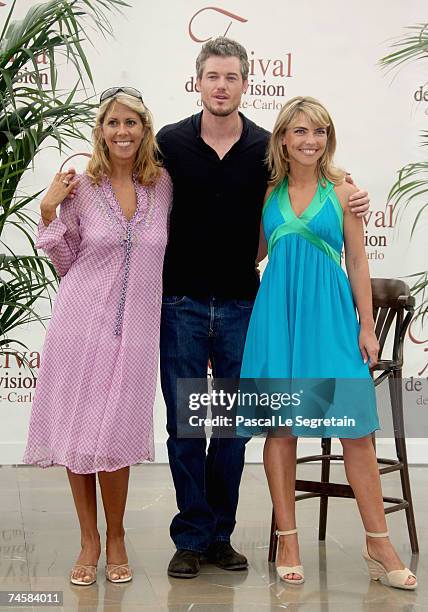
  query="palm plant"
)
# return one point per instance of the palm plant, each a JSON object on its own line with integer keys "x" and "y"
{"x": 33, "y": 116}
{"x": 412, "y": 182}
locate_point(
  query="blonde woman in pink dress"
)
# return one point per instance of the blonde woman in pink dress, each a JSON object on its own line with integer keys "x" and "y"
{"x": 93, "y": 407}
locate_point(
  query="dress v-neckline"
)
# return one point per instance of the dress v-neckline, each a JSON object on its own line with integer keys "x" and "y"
{"x": 116, "y": 202}
{"x": 315, "y": 197}
{"x": 311, "y": 210}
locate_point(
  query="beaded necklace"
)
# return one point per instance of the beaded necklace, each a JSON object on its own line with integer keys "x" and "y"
{"x": 126, "y": 241}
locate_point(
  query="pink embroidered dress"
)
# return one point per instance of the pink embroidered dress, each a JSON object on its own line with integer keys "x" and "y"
{"x": 93, "y": 405}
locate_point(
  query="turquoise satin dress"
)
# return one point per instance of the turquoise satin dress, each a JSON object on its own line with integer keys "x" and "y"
{"x": 304, "y": 329}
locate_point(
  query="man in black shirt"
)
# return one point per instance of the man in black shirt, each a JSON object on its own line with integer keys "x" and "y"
{"x": 216, "y": 162}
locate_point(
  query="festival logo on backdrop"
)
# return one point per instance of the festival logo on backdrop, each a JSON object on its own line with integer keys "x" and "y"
{"x": 421, "y": 96}
{"x": 415, "y": 388}
{"x": 421, "y": 343}
{"x": 18, "y": 376}
{"x": 26, "y": 76}
{"x": 214, "y": 9}
{"x": 267, "y": 76}
{"x": 378, "y": 229}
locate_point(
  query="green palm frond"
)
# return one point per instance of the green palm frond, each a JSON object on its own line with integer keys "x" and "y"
{"x": 31, "y": 115}
{"x": 420, "y": 289}
{"x": 7, "y": 348}
{"x": 412, "y": 46}
{"x": 23, "y": 281}
{"x": 26, "y": 133}
{"x": 34, "y": 116}
{"x": 411, "y": 186}
{"x": 57, "y": 26}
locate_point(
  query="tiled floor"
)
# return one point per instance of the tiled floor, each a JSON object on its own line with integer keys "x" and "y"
{"x": 39, "y": 541}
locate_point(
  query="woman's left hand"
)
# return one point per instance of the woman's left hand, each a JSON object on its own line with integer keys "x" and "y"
{"x": 369, "y": 346}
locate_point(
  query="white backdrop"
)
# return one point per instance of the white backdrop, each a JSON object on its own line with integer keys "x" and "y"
{"x": 329, "y": 51}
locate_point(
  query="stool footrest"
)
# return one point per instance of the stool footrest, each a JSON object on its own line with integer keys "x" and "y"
{"x": 396, "y": 463}
{"x": 314, "y": 488}
{"x": 319, "y": 458}
{"x": 332, "y": 489}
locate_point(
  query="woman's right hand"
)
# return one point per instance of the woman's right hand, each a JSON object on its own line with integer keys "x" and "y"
{"x": 63, "y": 184}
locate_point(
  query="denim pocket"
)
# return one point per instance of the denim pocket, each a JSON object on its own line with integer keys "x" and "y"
{"x": 172, "y": 300}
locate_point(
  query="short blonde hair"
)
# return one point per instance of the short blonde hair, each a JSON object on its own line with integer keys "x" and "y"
{"x": 147, "y": 166}
{"x": 277, "y": 158}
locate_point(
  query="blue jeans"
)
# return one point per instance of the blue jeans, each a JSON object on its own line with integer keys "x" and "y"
{"x": 206, "y": 482}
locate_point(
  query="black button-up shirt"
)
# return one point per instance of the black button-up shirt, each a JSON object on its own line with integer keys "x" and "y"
{"x": 215, "y": 218}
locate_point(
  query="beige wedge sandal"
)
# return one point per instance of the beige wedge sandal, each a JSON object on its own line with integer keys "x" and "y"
{"x": 112, "y": 569}
{"x": 395, "y": 578}
{"x": 90, "y": 571}
{"x": 283, "y": 570}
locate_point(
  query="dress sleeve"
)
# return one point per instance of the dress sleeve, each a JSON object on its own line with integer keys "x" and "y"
{"x": 61, "y": 238}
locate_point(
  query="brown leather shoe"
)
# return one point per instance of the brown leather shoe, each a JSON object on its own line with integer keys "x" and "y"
{"x": 223, "y": 555}
{"x": 184, "y": 564}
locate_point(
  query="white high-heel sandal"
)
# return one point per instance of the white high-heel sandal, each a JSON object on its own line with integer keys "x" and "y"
{"x": 283, "y": 570}
{"x": 395, "y": 578}
{"x": 111, "y": 569}
{"x": 90, "y": 571}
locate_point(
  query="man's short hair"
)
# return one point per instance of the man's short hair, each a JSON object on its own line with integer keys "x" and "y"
{"x": 223, "y": 47}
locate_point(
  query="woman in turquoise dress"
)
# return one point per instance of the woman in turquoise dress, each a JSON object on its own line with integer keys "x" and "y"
{"x": 304, "y": 332}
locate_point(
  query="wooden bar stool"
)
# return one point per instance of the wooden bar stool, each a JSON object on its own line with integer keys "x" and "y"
{"x": 393, "y": 308}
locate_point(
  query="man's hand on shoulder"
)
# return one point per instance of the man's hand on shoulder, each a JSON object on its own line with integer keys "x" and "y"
{"x": 358, "y": 199}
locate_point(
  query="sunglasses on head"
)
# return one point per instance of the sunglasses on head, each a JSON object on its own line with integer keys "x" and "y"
{"x": 112, "y": 91}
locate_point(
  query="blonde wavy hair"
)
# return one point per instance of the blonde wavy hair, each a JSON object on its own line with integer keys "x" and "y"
{"x": 147, "y": 166}
{"x": 277, "y": 156}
